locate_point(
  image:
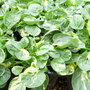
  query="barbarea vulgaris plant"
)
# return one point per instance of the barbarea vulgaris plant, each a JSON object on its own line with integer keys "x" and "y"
{"x": 37, "y": 34}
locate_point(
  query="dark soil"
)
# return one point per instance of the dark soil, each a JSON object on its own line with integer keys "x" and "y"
{"x": 57, "y": 82}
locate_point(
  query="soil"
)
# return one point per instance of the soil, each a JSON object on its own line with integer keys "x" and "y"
{"x": 61, "y": 84}
{"x": 57, "y": 82}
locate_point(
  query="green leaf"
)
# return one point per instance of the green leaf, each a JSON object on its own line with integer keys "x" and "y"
{"x": 23, "y": 54}
{"x": 1, "y": 23}
{"x": 44, "y": 86}
{"x": 31, "y": 80}
{"x": 44, "y": 57}
{"x": 81, "y": 80}
{"x": 60, "y": 12}
{"x": 11, "y": 47}
{"x": 61, "y": 39}
{"x": 31, "y": 70}
{"x": 13, "y": 3}
{"x": 77, "y": 83}
{"x": 85, "y": 12}
{"x": 58, "y": 64}
{"x": 60, "y": 1}
{"x": 77, "y": 22}
{"x": 24, "y": 1}
{"x": 83, "y": 35}
{"x": 43, "y": 50}
{"x": 2, "y": 70}
{"x": 4, "y": 75}
{"x": 23, "y": 43}
{"x": 84, "y": 61}
{"x": 2, "y": 12}
{"x": 65, "y": 54}
{"x": 15, "y": 50}
{"x": 69, "y": 70}
{"x": 54, "y": 54}
{"x": 47, "y": 4}
{"x": 46, "y": 82}
{"x": 71, "y": 2}
{"x": 2, "y": 86}
{"x": 16, "y": 70}
{"x": 35, "y": 9}
{"x": 41, "y": 63}
{"x": 32, "y": 30}
{"x": 56, "y": 13}
{"x": 64, "y": 40}
{"x": 2, "y": 55}
{"x": 11, "y": 18}
{"x": 74, "y": 58}
{"x": 31, "y": 20}
{"x": 53, "y": 24}
{"x": 88, "y": 44}
{"x": 15, "y": 84}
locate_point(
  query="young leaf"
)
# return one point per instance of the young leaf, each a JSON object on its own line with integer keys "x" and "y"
{"x": 54, "y": 53}
{"x": 23, "y": 42}
{"x": 11, "y": 18}
{"x": 41, "y": 63}
{"x": 43, "y": 50}
{"x": 16, "y": 70}
{"x": 65, "y": 54}
{"x": 31, "y": 20}
{"x": 35, "y": 9}
{"x": 11, "y": 47}
{"x": 58, "y": 64}
{"x": 33, "y": 30}
{"x": 68, "y": 70}
{"x": 22, "y": 54}
{"x": 44, "y": 57}
{"x": 77, "y": 22}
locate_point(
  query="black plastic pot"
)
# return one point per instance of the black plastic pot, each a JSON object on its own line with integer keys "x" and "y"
{"x": 54, "y": 79}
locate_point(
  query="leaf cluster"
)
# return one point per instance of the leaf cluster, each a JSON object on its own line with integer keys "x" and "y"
{"x": 37, "y": 34}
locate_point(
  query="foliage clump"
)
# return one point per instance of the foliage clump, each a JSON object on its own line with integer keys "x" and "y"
{"x": 37, "y": 34}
